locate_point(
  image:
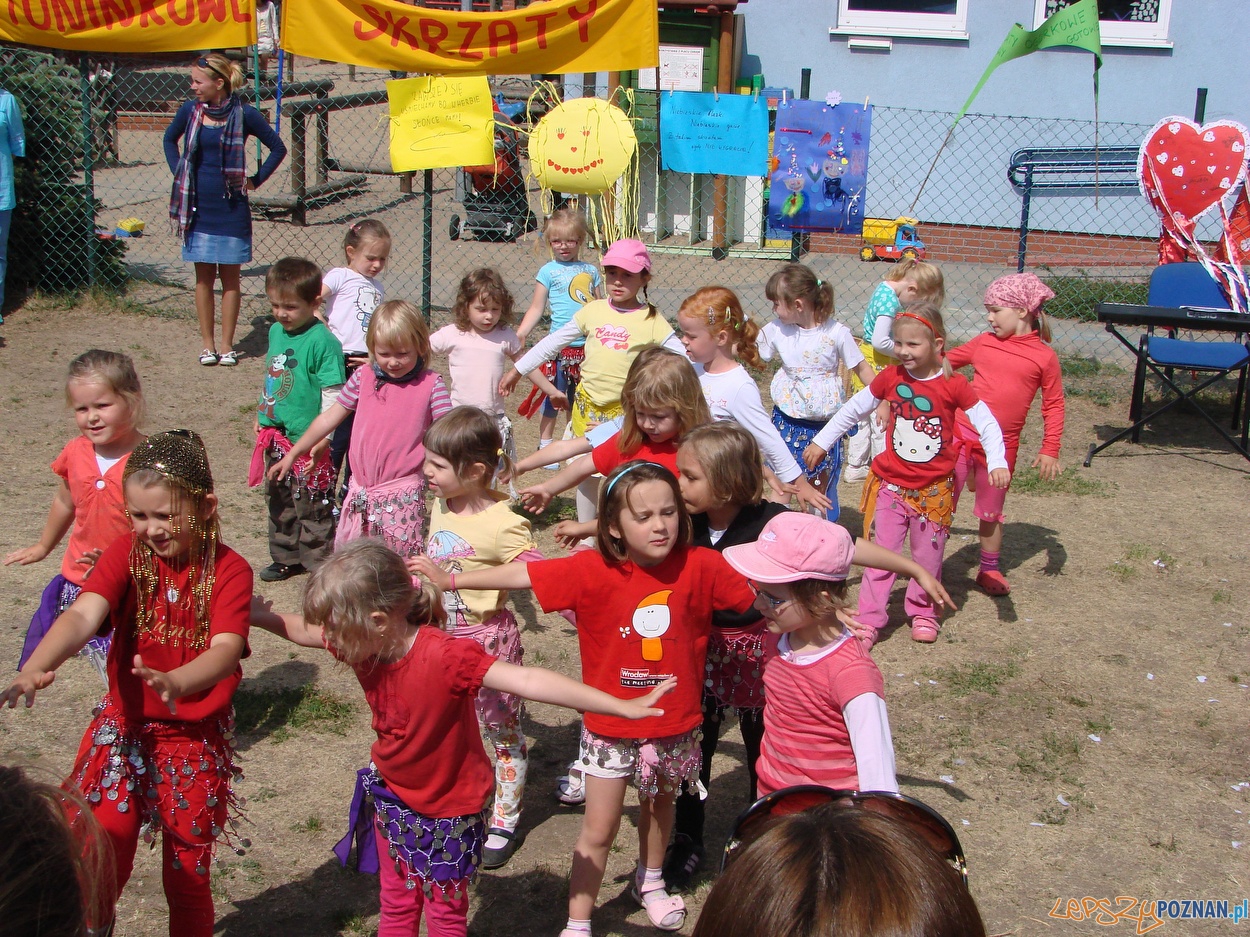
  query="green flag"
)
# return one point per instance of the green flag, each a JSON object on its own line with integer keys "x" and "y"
{"x": 1075, "y": 25}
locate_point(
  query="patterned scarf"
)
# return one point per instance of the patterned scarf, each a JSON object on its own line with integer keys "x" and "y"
{"x": 233, "y": 163}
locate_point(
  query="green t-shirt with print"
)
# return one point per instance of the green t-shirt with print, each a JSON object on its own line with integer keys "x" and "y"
{"x": 297, "y": 366}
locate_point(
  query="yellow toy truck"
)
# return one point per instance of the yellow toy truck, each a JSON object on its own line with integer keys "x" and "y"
{"x": 889, "y": 240}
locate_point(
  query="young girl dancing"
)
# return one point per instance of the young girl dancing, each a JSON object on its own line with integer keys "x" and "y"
{"x": 479, "y": 345}
{"x": 824, "y": 698}
{"x": 395, "y": 400}
{"x": 911, "y": 490}
{"x": 565, "y": 283}
{"x": 1010, "y": 363}
{"x": 472, "y": 526}
{"x": 644, "y": 602}
{"x": 159, "y": 752}
{"x": 807, "y": 389}
{"x": 349, "y": 294}
{"x": 909, "y": 281}
{"x": 103, "y": 391}
{"x": 417, "y": 814}
{"x": 716, "y": 332}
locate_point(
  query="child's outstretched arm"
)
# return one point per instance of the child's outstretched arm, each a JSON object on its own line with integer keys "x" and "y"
{"x": 217, "y": 662}
{"x": 869, "y": 728}
{"x": 540, "y": 354}
{"x": 991, "y": 434}
{"x": 558, "y": 451}
{"x": 284, "y": 624}
{"x": 559, "y": 399}
{"x": 504, "y": 576}
{"x": 1047, "y": 461}
{"x": 533, "y": 313}
{"x": 60, "y": 517}
{"x": 848, "y": 415}
{"x": 71, "y": 630}
{"x": 317, "y": 431}
{"x": 547, "y": 686}
{"x": 537, "y": 497}
{"x": 868, "y": 553}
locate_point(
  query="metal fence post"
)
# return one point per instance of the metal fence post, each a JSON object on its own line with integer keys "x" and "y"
{"x": 427, "y": 242}
{"x": 88, "y": 166}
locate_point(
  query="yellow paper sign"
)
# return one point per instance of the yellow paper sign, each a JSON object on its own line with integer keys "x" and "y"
{"x": 437, "y": 122}
{"x": 557, "y": 36}
{"x": 129, "y": 25}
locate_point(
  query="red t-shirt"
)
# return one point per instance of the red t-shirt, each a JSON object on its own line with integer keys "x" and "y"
{"x": 920, "y": 448}
{"x": 607, "y": 455}
{"x": 805, "y": 736}
{"x": 228, "y": 614}
{"x": 429, "y": 750}
{"x": 99, "y": 505}
{"x": 637, "y": 625}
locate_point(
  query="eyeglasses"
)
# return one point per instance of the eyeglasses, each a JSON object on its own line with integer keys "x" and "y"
{"x": 920, "y": 818}
{"x": 773, "y": 602}
{"x": 203, "y": 62}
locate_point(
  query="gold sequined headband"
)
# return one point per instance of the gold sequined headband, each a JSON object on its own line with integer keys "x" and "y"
{"x": 179, "y": 455}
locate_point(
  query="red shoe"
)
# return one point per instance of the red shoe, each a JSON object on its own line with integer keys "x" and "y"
{"x": 992, "y": 582}
{"x": 924, "y": 630}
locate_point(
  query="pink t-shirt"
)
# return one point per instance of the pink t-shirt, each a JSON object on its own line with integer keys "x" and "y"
{"x": 805, "y": 736}
{"x": 391, "y": 420}
{"x": 476, "y": 363}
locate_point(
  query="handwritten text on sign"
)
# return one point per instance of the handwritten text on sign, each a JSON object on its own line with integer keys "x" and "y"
{"x": 725, "y": 134}
{"x": 437, "y": 122}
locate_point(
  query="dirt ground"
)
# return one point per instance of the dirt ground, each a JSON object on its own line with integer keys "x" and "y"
{"x": 1086, "y": 737}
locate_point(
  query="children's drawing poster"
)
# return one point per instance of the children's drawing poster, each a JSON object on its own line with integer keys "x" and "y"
{"x": 819, "y": 167}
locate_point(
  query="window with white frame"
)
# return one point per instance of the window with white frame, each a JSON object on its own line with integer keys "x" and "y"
{"x": 1122, "y": 22}
{"x": 923, "y": 19}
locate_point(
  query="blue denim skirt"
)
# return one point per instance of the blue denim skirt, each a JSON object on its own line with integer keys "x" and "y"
{"x": 203, "y": 248}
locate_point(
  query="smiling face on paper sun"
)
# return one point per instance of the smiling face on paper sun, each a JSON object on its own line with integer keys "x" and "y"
{"x": 583, "y": 146}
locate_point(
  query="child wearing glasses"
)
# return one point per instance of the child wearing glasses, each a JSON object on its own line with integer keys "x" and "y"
{"x": 824, "y": 698}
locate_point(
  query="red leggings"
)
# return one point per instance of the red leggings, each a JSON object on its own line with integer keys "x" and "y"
{"x": 402, "y": 906}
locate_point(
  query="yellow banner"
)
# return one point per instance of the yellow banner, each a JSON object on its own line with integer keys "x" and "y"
{"x": 438, "y": 122}
{"x": 130, "y": 25}
{"x": 552, "y": 37}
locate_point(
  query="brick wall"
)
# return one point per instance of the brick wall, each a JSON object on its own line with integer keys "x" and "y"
{"x": 972, "y": 244}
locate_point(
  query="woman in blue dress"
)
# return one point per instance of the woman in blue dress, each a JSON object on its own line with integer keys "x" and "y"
{"x": 208, "y": 205}
{"x": 12, "y": 143}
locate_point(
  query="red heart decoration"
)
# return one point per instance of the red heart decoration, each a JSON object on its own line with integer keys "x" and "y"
{"x": 1186, "y": 170}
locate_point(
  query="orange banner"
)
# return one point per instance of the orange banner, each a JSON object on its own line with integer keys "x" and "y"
{"x": 556, "y": 36}
{"x": 130, "y": 25}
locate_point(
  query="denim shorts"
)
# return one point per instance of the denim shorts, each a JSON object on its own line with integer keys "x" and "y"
{"x": 204, "y": 248}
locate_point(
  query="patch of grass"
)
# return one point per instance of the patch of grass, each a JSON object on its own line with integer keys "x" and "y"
{"x": 1071, "y": 481}
{"x": 1221, "y": 597}
{"x": 310, "y": 824}
{"x": 977, "y": 677}
{"x": 1122, "y": 571}
{"x": 352, "y": 923}
{"x": 1205, "y": 719}
{"x": 264, "y": 794}
{"x": 277, "y": 712}
{"x": 1094, "y": 380}
{"x": 1050, "y": 757}
{"x": 1076, "y": 296}
{"x": 1076, "y": 701}
{"x": 1098, "y": 727}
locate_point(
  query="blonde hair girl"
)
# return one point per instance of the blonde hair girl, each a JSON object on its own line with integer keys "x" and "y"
{"x": 103, "y": 392}
{"x": 911, "y": 490}
{"x": 395, "y": 401}
{"x": 429, "y": 780}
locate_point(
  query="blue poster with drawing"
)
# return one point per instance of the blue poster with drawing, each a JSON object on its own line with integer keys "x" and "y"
{"x": 714, "y": 133}
{"x": 818, "y": 172}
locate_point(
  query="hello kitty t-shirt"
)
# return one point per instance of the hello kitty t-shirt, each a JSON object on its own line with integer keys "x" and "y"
{"x": 920, "y": 447}
{"x": 350, "y": 299}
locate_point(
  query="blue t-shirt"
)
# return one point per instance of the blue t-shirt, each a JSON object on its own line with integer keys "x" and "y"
{"x": 570, "y": 285}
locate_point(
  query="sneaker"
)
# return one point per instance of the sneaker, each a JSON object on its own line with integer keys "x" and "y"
{"x": 276, "y": 572}
{"x": 924, "y": 630}
{"x": 992, "y": 582}
{"x": 682, "y": 859}
{"x": 498, "y": 858}
{"x": 571, "y": 788}
{"x": 855, "y": 475}
{"x": 208, "y": 357}
{"x": 228, "y": 359}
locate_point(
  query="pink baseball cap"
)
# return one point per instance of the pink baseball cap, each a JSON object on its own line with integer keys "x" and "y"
{"x": 795, "y": 546}
{"x": 628, "y": 254}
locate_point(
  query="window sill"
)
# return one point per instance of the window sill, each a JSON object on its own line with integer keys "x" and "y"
{"x": 1136, "y": 43}
{"x": 950, "y": 35}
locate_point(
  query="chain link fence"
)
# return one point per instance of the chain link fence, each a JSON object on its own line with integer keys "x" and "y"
{"x": 96, "y": 129}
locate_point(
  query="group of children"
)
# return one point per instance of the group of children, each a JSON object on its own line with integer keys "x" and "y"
{"x": 692, "y": 595}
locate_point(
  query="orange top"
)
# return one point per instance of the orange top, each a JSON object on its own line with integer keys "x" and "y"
{"x": 99, "y": 505}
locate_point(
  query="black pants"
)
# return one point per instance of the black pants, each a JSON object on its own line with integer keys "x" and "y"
{"x": 690, "y": 809}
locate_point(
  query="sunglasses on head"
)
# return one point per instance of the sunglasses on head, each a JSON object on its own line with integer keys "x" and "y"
{"x": 921, "y": 819}
{"x": 203, "y": 62}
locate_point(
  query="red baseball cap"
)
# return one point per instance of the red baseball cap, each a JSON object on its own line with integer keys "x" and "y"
{"x": 628, "y": 254}
{"x": 794, "y": 546}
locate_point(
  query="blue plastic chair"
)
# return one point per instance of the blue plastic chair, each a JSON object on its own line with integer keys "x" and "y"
{"x": 1188, "y": 284}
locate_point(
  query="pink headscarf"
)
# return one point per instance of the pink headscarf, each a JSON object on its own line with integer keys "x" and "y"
{"x": 1019, "y": 291}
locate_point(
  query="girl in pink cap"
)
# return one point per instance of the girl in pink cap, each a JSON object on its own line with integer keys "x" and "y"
{"x": 1010, "y": 363}
{"x": 824, "y": 698}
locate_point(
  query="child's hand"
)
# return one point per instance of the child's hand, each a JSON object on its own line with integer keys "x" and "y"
{"x": 813, "y": 455}
{"x": 507, "y": 382}
{"x": 427, "y": 569}
{"x": 850, "y": 623}
{"x": 256, "y": 425}
{"x": 319, "y": 448}
{"x": 882, "y": 413}
{"x": 1047, "y": 467}
{"x": 935, "y": 590}
{"x": 159, "y": 681}
{"x": 1000, "y": 478}
{"x": 559, "y": 400}
{"x": 522, "y": 335}
{"x": 26, "y": 556}
{"x": 645, "y": 706}
{"x": 809, "y": 496}
{"x": 570, "y": 533}
{"x": 280, "y": 469}
{"x": 358, "y": 361}
{"x": 27, "y": 684}
{"x": 535, "y": 499}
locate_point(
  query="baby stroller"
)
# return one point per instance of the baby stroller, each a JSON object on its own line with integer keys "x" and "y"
{"x": 494, "y": 197}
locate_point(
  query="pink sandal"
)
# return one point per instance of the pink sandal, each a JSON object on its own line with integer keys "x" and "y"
{"x": 924, "y": 630}
{"x": 992, "y": 582}
{"x": 664, "y": 911}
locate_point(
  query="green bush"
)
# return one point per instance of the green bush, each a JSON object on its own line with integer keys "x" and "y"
{"x": 54, "y": 223}
{"x": 1076, "y": 296}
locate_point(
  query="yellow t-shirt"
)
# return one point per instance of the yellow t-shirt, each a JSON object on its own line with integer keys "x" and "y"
{"x": 460, "y": 543}
{"x": 613, "y": 339}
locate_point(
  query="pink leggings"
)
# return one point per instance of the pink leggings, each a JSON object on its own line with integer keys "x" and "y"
{"x": 402, "y": 906}
{"x": 895, "y": 522}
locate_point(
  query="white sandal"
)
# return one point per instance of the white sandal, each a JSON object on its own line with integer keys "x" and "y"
{"x": 228, "y": 359}
{"x": 208, "y": 357}
{"x": 664, "y": 911}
